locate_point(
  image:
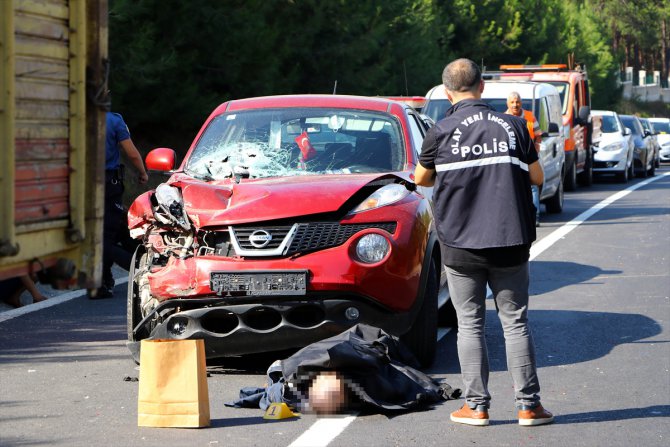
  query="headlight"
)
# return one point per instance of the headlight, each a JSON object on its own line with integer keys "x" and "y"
{"x": 383, "y": 196}
{"x": 170, "y": 208}
{"x": 613, "y": 147}
{"x": 372, "y": 248}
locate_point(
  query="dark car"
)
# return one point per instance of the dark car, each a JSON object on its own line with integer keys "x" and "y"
{"x": 650, "y": 133}
{"x": 291, "y": 219}
{"x": 645, "y": 155}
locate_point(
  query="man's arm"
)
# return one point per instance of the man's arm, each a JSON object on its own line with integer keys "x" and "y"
{"x": 135, "y": 158}
{"x": 536, "y": 173}
{"x": 424, "y": 176}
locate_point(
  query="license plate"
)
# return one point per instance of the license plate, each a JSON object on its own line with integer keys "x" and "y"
{"x": 259, "y": 282}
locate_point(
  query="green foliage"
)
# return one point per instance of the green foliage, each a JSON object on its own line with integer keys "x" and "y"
{"x": 173, "y": 61}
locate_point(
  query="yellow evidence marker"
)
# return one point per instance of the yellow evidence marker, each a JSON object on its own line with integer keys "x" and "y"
{"x": 279, "y": 410}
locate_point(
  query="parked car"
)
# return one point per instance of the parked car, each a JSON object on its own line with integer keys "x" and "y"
{"x": 651, "y": 134}
{"x": 290, "y": 219}
{"x": 544, "y": 101}
{"x": 613, "y": 145}
{"x": 644, "y": 161}
{"x": 662, "y": 126}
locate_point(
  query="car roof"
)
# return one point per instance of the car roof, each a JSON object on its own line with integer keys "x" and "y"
{"x": 501, "y": 89}
{"x": 659, "y": 120}
{"x": 282, "y": 101}
{"x": 603, "y": 112}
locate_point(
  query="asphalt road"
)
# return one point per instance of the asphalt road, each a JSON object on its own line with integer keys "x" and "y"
{"x": 600, "y": 313}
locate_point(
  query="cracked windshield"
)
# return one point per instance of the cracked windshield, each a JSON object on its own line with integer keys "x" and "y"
{"x": 293, "y": 142}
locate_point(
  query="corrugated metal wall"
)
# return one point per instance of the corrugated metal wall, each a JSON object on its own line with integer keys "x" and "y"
{"x": 42, "y": 95}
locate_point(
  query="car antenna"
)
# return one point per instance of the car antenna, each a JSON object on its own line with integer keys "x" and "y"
{"x": 404, "y": 69}
{"x": 335, "y": 88}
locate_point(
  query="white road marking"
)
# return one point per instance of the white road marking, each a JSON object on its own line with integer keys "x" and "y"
{"x": 322, "y": 432}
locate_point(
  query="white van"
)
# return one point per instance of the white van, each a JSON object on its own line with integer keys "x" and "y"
{"x": 545, "y": 102}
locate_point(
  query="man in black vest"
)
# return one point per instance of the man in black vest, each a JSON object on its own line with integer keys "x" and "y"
{"x": 482, "y": 164}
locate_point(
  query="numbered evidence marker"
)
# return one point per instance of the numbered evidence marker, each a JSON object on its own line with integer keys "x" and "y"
{"x": 279, "y": 410}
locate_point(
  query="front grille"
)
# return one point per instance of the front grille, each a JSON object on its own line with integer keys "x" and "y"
{"x": 278, "y": 234}
{"x": 303, "y": 237}
{"x": 321, "y": 235}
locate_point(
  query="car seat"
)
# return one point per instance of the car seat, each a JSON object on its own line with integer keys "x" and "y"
{"x": 375, "y": 151}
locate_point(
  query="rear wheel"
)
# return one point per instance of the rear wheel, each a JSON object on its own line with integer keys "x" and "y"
{"x": 586, "y": 177}
{"x": 421, "y": 339}
{"x": 555, "y": 203}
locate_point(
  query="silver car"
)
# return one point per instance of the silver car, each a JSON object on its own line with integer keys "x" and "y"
{"x": 644, "y": 161}
{"x": 612, "y": 145}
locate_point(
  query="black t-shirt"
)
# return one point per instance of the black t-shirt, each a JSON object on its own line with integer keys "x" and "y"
{"x": 481, "y": 198}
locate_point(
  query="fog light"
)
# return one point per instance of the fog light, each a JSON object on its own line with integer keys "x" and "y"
{"x": 177, "y": 326}
{"x": 352, "y": 313}
{"x": 372, "y": 248}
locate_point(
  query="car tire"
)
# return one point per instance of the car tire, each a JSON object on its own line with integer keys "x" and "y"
{"x": 652, "y": 169}
{"x": 555, "y": 203}
{"x": 631, "y": 170}
{"x": 421, "y": 339}
{"x": 623, "y": 175}
{"x": 133, "y": 312}
{"x": 571, "y": 176}
{"x": 586, "y": 177}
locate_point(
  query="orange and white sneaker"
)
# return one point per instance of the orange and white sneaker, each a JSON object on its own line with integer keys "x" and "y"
{"x": 534, "y": 416}
{"x": 466, "y": 415}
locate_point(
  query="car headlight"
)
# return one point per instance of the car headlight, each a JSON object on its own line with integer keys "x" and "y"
{"x": 613, "y": 147}
{"x": 383, "y": 196}
{"x": 372, "y": 248}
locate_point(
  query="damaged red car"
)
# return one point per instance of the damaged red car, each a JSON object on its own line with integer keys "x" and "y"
{"x": 290, "y": 219}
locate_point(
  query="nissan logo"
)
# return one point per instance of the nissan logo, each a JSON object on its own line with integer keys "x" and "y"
{"x": 260, "y": 238}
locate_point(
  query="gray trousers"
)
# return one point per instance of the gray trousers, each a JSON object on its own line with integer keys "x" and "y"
{"x": 467, "y": 287}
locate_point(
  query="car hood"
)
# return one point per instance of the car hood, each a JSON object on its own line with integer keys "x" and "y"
{"x": 612, "y": 137}
{"x": 227, "y": 202}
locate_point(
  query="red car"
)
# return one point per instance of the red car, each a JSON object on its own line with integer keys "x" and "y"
{"x": 291, "y": 219}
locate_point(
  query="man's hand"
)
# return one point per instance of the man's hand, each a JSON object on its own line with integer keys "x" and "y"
{"x": 143, "y": 178}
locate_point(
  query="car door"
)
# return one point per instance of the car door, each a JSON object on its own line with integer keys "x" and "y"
{"x": 552, "y": 146}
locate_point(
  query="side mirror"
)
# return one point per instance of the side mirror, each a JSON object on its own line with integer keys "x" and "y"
{"x": 647, "y": 133}
{"x": 161, "y": 159}
{"x": 584, "y": 113}
{"x": 553, "y": 128}
{"x": 626, "y": 131}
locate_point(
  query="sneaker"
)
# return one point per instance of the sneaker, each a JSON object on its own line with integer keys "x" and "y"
{"x": 466, "y": 415}
{"x": 534, "y": 416}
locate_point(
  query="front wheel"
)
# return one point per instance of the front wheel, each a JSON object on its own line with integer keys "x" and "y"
{"x": 136, "y": 286}
{"x": 586, "y": 177}
{"x": 421, "y": 339}
{"x": 555, "y": 203}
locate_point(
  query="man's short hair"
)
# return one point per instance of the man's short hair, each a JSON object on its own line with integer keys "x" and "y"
{"x": 514, "y": 95}
{"x": 461, "y": 75}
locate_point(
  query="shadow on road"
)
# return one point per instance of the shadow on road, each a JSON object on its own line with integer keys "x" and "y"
{"x": 561, "y": 337}
{"x": 547, "y": 276}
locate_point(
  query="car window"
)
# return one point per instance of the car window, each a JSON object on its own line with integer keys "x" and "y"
{"x": 543, "y": 116}
{"x": 645, "y": 125}
{"x": 297, "y": 141}
{"x": 633, "y": 124}
{"x": 609, "y": 124}
{"x": 662, "y": 126}
{"x": 500, "y": 104}
{"x": 437, "y": 108}
{"x": 416, "y": 130}
{"x": 562, "y": 88}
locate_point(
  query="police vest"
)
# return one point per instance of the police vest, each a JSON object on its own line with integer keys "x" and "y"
{"x": 482, "y": 196}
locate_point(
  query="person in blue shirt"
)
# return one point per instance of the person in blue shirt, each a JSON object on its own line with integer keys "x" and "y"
{"x": 115, "y": 227}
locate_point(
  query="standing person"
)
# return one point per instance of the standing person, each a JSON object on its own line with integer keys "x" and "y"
{"x": 514, "y": 108}
{"x": 482, "y": 164}
{"x": 115, "y": 224}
